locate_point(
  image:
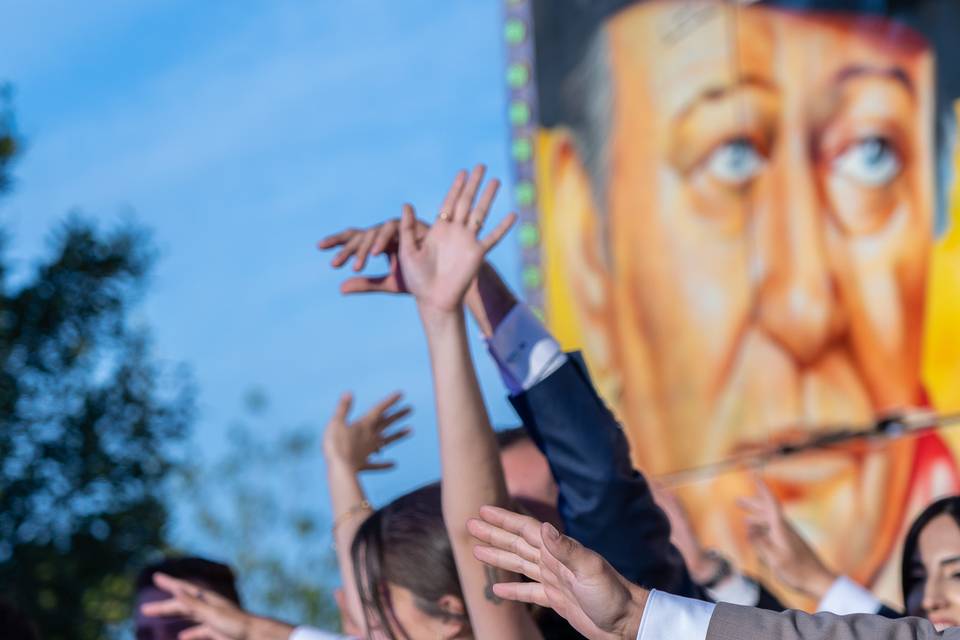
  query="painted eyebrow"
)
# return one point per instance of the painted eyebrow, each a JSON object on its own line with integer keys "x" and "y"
{"x": 950, "y": 560}
{"x": 890, "y": 73}
{"x": 720, "y": 91}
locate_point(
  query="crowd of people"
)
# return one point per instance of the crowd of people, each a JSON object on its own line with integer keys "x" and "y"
{"x": 541, "y": 531}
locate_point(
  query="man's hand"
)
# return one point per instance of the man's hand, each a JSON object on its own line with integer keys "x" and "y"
{"x": 352, "y": 444}
{"x": 217, "y": 617}
{"x": 439, "y": 268}
{"x": 781, "y": 547}
{"x": 361, "y": 244}
{"x": 569, "y": 578}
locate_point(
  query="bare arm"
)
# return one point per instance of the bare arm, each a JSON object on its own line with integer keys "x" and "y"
{"x": 347, "y": 448}
{"x": 438, "y": 271}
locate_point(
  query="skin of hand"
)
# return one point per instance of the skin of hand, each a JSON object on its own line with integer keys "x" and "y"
{"x": 351, "y": 444}
{"x": 348, "y": 446}
{"x": 488, "y": 298}
{"x": 439, "y": 267}
{"x": 701, "y": 565}
{"x": 781, "y": 547}
{"x": 217, "y": 617}
{"x": 574, "y": 581}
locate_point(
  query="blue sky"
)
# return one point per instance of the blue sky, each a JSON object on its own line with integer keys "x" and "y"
{"x": 241, "y": 132}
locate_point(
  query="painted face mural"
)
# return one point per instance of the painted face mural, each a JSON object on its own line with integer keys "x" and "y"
{"x": 742, "y": 223}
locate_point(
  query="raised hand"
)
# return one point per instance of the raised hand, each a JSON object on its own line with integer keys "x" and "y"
{"x": 354, "y": 443}
{"x": 781, "y": 547}
{"x": 217, "y": 618}
{"x": 574, "y": 581}
{"x": 439, "y": 267}
{"x": 361, "y": 244}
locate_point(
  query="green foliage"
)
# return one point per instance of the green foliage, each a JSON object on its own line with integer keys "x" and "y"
{"x": 257, "y": 506}
{"x": 88, "y": 427}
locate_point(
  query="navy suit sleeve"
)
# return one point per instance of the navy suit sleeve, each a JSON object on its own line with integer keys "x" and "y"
{"x": 604, "y": 502}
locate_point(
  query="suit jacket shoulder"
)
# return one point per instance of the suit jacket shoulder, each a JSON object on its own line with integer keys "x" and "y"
{"x": 731, "y": 622}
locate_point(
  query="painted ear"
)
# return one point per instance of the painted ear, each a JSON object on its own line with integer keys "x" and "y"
{"x": 575, "y": 260}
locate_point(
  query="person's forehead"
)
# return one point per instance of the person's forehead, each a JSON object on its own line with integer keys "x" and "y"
{"x": 676, "y": 51}
{"x": 940, "y": 536}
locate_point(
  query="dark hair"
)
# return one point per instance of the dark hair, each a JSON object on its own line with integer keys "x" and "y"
{"x": 911, "y": 552}
{"x": 405, "y": 543}
{"x": 14, "y": 624}
{"x": 506, "y": 438}
{"x": 213, "y": 575}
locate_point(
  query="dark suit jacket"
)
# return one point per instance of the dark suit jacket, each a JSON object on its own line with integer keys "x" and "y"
{"x": 604, "y": 502}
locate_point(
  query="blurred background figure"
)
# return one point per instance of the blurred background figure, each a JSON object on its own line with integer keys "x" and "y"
{"x": 213, "y": 576}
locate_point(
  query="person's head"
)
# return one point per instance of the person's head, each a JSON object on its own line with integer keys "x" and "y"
{"x": 527, "y": 473}
{"x": 204, "y": 573}
{"x": 744, "y": 202}
{"x": 405, "y": 571}
{"x": 15, "y": 624}
{"x": 930, "y": 570}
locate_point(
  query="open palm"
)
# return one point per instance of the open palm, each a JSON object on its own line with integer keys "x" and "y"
{"x": 574, "y": 581}
{"x": 439, "y": 268}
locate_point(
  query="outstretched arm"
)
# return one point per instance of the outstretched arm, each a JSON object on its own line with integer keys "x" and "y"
{"x": 602, "y": 605}
{"x": 348, "y": 448}
{"x": 437, "y": 270}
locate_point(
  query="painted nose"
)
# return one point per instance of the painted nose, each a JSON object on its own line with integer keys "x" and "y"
{"x": 798, "y": 302}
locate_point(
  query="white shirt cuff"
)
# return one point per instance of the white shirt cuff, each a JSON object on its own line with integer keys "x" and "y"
{"x": 736, "y": 589}
{"x": 309, "y": 633}
{"x": 846, "y": 597}
{"x": 668, "y": 617}
{"x": 524, "y": 350}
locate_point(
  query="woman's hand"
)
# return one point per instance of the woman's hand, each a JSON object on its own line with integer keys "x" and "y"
{"x": 781, "y": 547}
{"x": 439, "y": 267}
{"x": 217, "y": 618}
{"x": 352, "y": 444}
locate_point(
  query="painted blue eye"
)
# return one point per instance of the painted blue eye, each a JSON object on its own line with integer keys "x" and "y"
{"x": 871, "y": 161}
{"x": 736, "y": 162}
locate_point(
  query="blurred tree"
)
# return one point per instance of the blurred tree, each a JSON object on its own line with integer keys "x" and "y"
{"x": 257, "y": 506}
{"x": 89, "y": 426}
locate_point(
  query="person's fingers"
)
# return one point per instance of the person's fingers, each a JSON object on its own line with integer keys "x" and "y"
{"x": 479, "y": 213}
{"x": 378, "y": 410}
{"x": 400, "y": 434}
{"x": 529, "y": 592}
{"x": 565, "y": 549}
{"x": 408, "y": 225}
{"x": 362, "y": 284}
{"x": 764, "y": 493}
{"x": 525, "y": 526}
{"x": 202, "y": 632}
{"x": 161, "y": 608}
{"x": 349, "y": 248}
{"x": 507, "y": 561}
{"x": 461, "y": 210}
{"x": 344, "y": 404}
{"x": 173, "y": 586}
{"x": 337, "y": 239}
{"x": 363, "y": 250}
{"x": 385, "y": 236}
{"x": 498, "y": 232}
{"x": 752, "y": 505}
{"x": 496, "y": 537}
{"x": 387, "y": 419}
{"x": 386, "y": 465}
{"x": 450, "y": 200}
